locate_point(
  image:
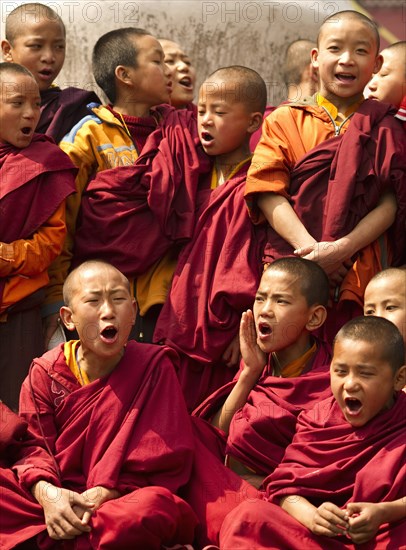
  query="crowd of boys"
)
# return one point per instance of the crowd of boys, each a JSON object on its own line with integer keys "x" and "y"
{"x": 234, "y": 375}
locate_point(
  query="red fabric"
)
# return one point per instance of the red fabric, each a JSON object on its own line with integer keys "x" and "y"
{"x": 329, "y": 460}
{"x": 134, "y": 437}
{"x": 337, "y": 183}
{"x": 262, "y": 429}
{"x": 36, "y": 179}
{"x": 216, "y": 279}
{"x": 132, "y": 215}
{"x": 62, "y": 109}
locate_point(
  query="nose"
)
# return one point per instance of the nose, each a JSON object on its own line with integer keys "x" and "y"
{"x": 182, "y": 66}
{"x": 107, "y": 309}
{"x": 205, "y": 120}
{"x": 267, "y": 309}
{"x": 48, "y": 55}
{"x": 372, "y": 84}
{"x": 346, "y": 58}
{"x": 30, "y": 112}
{"x": 351, "y": 383}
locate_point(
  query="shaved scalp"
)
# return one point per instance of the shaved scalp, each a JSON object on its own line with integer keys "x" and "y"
{"x": 313, "y": 281}
{"x": 389, "y": 272}
{"x": 18, "y": 18}
{"x": 296, "y": 59}
{"x": 111, "y": 50}
{"x": 242, "y": 85}
{"x": 376, "y": 331}
{"x": 14, "y": 68}
{"x": 70, "y": 286}
{"x": 351, "y": 14}
{"x": 399, "y": 49}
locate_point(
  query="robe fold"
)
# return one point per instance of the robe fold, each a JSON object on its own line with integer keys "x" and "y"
{"x": 132, "y": 215}
{"x": 262, "y": 429}
{"x": 338, "y": 182}
{"x": 216, "y": 279}
{"x": 37, "y": 178}
{"x": 329, "y": 460}
{"x": 135, "y": 437}
{"x": 62, "y": 109}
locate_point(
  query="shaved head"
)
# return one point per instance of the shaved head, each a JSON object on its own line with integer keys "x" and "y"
{"x": 72, "y": 282}
{"x": 296, "y": 59}
{"x": 241, "y": 85}
{"x": 36, "y": 12}
{"x": 15, "y": 69}
{"x": 348, "y": 15}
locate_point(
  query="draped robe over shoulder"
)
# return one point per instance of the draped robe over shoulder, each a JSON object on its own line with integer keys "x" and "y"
{"x": 129, "y": 431}
{"x": 328, "y": 460}
{"x": 216, "y": 279}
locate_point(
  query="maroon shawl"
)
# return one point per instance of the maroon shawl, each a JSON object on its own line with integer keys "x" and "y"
{"x": 338, "y": 182}
{"x": 132, "y": 215}
{"x": 262, "y": 429}
{"x": 62, "y": 109}
{"x": 33, "y": 183}
{"x": 328, "y": 460}
{"x": 216, "y": 280}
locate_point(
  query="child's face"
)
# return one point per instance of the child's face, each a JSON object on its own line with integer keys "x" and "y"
{"x": 223, "y": 121}
{"x": 281, "y": 312}
{"x": 183, "y": 74}
{"x": 346, "y": 59}
{"x": 386, "y": 297}
{"x": 19, "y": 109}
{"x": 389, "y": 82}
{"x": 102, "y": 311}
{"x": 151, "y": 79}
{"x": 361, "y": 381}
{"x": 39, "y": 46}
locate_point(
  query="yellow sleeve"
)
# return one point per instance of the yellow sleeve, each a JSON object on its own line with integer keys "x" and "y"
{"x": 29, "y": 257}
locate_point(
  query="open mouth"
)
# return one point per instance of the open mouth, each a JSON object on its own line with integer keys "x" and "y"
{"x": 45, "y": 72}
{"x": 186, "y": 82}
{"x": 343, "y": 77}
{"x": 264, "y": 329}
{"x": 26, "y": 130}
{"x": 353, "y": 405}
{"x": 205, "y": 136}
{"x": 109, "y": 334}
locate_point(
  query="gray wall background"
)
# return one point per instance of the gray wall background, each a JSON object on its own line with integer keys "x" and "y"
{"x": 214, "y": 33}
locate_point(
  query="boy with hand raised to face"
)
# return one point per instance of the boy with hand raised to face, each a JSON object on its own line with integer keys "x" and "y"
{"x": 322, "y": 492}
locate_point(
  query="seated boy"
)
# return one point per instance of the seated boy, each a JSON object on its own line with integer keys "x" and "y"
{"x": 284, "y": 368}
{"x": 183, "y": 74}
{"x": 201, "y": 316}
{"x": 128, "y": 65}
{"x": 122, "y": 450}
{"x": 36, "y": 38}
{"x": 344, "y": 157}
{"x": 36, "y": 177}
{"x": 385, "y": 296}
{"x": 341, "y": 482}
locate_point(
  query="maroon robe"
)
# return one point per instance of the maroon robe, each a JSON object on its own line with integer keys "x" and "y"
{"x": 216, "y": 279}
{"x": 133, "y": 437}
{"x": 62, "y": 109}
{"x": 329, "y": 460}
{"x": 262, "y": 429}
{"x": 132, "y": 215}
{"x": 33, "y": 183}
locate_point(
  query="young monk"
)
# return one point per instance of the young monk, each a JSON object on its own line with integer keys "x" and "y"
{"x": 36, "y": 38}
{"x": 388, "y": 84}
{"x": 183, "y": 74}
{"x": 128, "y": 65}
{"x": 303, "y": 159}
{"x": 385, "y": 296}
{"x": 36, "y": 177}
{"x": 210, "y": 291}
{"x": 284, "y": 368}
{"x": 121, "y": 450}
{"x": 341, "y": 482}
{"x": 299, "y": 75}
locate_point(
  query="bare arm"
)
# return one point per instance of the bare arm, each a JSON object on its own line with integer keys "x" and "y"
{"x": 254, "y": 363}
{"x": 365, "y": 518}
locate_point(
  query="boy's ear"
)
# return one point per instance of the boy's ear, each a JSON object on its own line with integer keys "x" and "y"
{"x": 400, "y": 379}
{"x": 317, "y": 317}
{"x": 65, "y": 313}
{"x": 121, "y": 73}
{"x": 255, "y": 123}
{"x": 314, "y": 55}
{"x": 378, "y": 64}
{"x": 6, "y": 49}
